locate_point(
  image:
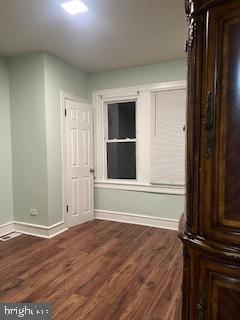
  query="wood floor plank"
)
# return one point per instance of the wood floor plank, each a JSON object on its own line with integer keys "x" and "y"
{"x": 97, "y": 271}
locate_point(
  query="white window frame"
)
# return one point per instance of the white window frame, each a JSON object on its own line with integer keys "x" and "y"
{"x": 144, "y": 106}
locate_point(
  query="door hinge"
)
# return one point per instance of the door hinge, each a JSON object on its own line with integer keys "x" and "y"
{"x": 65, "y": 112}
{"x": 67, "y": 208}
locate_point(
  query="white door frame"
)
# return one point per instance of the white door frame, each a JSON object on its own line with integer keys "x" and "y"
{"x": 63, "y": 97}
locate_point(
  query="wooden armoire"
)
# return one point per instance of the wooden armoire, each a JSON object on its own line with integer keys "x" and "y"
{"x": 211, "y": 237}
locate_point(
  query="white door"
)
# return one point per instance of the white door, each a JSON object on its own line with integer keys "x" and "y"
{"x": 79, "y": 149}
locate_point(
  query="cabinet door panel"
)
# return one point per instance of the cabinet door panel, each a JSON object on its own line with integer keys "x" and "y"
{"x": 227, "y": 302}
{"x": 222, "y": 291}
{"x": 220, "y": 132}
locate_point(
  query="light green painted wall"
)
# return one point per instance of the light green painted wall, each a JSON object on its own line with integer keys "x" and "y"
{"x": 152, "y": 204}
{"x": 35, "y": 84}
{"x": 29, "y": 149}
{"x": 149, "y": 204}
{"x": 153, "y": 73}
{"x": 6, "y": 194}
{"x": 59, "y": 76}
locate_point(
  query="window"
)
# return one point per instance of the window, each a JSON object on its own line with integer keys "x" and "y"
{"x": 139, "y": 138}
{"x": 121, "y": 140}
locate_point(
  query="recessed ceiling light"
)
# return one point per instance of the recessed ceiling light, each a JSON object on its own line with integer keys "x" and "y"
{"x": 74, "y": 7}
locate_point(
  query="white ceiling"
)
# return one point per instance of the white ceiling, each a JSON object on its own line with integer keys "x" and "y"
{"x": 112, "y": 34}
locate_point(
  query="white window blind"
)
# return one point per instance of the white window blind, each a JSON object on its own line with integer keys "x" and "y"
{"x": 168, "y": 138}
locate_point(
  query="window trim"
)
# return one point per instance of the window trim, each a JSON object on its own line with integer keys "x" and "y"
{"x": 139, "y": 187}
{"x": 142, "y": 95}
{"x": 120, "y": 140}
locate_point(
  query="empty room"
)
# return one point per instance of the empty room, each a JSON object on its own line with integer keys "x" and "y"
{"x": 119, "y": 163}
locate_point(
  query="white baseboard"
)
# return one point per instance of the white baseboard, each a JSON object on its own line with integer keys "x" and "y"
{"x": 6, "y": 228}
{"x": 150, "y": 221}
{"x": 49, "y": 232}
{"x": 33, "y": 229}
{"x": 39, "y": 230}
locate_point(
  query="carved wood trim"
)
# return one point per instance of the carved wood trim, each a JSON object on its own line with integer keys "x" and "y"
{"x": 192, "y": 30}
{"x": 209, "y": 125}
{"x": 191, "y": 24}
{"x": 189, "y": 171}
{"x": 189, "y": 7}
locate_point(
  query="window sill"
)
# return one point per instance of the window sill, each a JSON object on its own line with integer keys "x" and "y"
{"x": 134, "y": 186}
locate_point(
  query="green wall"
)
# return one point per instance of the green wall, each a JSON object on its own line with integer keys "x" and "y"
{"x": 59, "y": 76}
{"x": 33, "y": 169}
{"x": 29, "y": 137}
{"x": 36, "y": 81}
{"x": 153, "y": 73}
{"x": 152, "y": 204}
{"x": 143, "y": 203}
{"x": 6, "y": 194}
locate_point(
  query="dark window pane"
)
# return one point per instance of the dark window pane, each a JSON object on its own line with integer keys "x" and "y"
{"x": 121, "y": 160}
{"x": 121, "y": 120}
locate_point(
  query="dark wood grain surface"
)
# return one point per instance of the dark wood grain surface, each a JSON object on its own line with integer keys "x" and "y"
{"x": 211, "y": 277}
{"x": 96, "y": 271}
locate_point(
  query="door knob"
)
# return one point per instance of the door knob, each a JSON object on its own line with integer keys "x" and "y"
{"x": 93, "y": 173}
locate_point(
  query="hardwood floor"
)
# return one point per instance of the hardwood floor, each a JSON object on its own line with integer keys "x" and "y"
{"x": 97, "y": 271}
